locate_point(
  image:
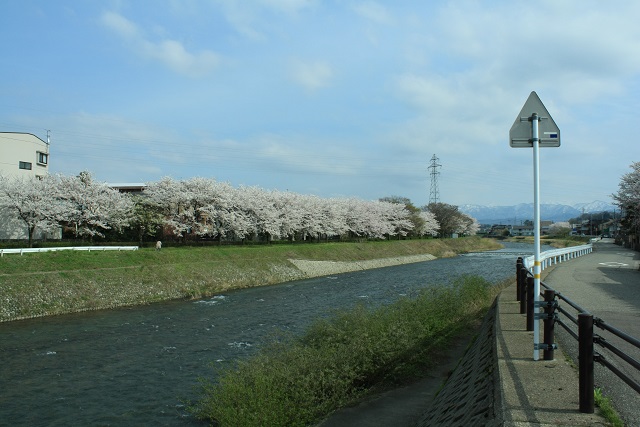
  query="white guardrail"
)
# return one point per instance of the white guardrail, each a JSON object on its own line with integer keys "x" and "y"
{"x": 68, "y": 248}
{"x": 555, "y": 256}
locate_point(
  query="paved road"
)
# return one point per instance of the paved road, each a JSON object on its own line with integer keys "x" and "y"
{"x": 607, "y": 284}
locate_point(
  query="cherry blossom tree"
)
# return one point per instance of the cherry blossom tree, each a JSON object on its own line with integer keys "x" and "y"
{"x": 146, "y": 218}
{"x": 209, "y": 208}
{"x": 628, "y": 199}
{"x": 91, "y": 207}
{"x": 331, "y": 214}
{"x": 32, "y": 202}
{"x": 428, "y": 224}
{"x": 396, "y": 217}
{"x": 260, "y": 206}
{"x": 376, "y": 219}
{"x": 562, "y": 228}
{"x": 196, "y": 194}
{"x": 175, "y": 200}
{"x": 223, "y": 214}
{"x": 467, "y": 226}
{"x": 166, "y": 194}
{"x": 414, "y": 213}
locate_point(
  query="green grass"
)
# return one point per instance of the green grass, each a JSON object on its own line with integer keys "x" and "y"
{"x": 298, "y": 381}
{"x": 40, "y": 284}
{"x": 606, "y": 408}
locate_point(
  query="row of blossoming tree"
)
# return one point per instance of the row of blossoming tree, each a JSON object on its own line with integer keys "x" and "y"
{"x": 43, "y": 205}
{"x": 206, "y": 208}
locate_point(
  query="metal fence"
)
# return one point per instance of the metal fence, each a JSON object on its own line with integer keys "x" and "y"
{"x": 68, "y": 248}
{"x": 583, "y": 321}
{"x": 554, "y": 256}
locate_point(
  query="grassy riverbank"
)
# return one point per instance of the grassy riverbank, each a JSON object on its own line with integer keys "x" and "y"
{"x": 299, "y": 381}
{"x": 41, "y": 284}
{"x": 556, "y": 242}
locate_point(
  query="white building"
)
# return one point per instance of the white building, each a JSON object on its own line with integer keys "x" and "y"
{"x": 21, "y": 155}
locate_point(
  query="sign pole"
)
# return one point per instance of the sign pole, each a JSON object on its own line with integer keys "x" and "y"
{"x": 536, "y": 231}
{"x": 523, "y": 135}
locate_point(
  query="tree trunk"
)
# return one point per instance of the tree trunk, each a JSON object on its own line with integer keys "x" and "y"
{"x": 32, "y": 231}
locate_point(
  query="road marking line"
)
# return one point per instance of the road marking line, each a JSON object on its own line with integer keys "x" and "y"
{"x": 613, "y": 264}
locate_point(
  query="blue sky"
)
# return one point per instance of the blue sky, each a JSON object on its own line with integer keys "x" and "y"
{"x": 333, "y": 98}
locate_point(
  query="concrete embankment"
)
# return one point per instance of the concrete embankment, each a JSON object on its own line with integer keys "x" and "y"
{"x": 497, "y": 382}
{"x": 325, "y": 268}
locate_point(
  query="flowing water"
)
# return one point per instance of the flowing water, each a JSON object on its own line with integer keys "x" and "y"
{"x": 137, "y": 366}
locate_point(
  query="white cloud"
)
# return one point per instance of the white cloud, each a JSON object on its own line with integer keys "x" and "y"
{"x": 254, "y": 19}
{"x": 373, "y": 11}
{"x": 120, "y": 25}
{"x": 428, "y": 93}
{"x": 282, "y": 154}
{"x": 582, "y": 55}
{"x": 171, "y": 53}
{"x": 311, "y": 75}
{"x": 288, "y": 6}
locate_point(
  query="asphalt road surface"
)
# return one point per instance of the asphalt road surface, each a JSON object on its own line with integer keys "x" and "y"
{"x": 607, "y": 284}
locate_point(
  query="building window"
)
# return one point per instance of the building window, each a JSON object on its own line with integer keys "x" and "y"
{"x": 43, "y": 158}
{"x": 25, "y": 165}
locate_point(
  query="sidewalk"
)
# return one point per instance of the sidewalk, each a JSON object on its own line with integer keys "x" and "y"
{"x": 534, "y": 393}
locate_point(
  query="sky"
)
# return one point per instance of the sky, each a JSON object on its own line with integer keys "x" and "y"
{"x": 336, "y": 98}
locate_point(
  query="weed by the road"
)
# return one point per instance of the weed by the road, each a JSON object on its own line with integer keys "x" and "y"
{"x": 606, "y": 408}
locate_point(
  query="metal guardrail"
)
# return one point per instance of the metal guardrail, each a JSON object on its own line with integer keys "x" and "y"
{"x": 587, "y": 339}
{"x": 23, "y": 251}
{"x": 555, "y": 256}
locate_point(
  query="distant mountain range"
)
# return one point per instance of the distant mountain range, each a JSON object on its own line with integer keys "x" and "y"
{"x": 518, "y": 213}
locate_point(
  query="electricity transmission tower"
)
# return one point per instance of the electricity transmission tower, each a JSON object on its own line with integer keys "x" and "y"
{"x": 434, "y": 194}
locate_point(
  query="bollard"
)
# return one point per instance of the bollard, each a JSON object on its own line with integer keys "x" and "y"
{"x": 518, "y": 282}
{"x": 549, "y": 323}
{"x": 585, "y": 363}
{"x": 523, "y": 290}
{"x": 530, "y": 304}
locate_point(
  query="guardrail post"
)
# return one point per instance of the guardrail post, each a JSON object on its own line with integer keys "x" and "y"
{"x": 585, "y": 362}
{"x": 549, "y": 323}
{"x": 518, "y": 282}
{"x": 523, "y": 290}
{"x": 530, "y": 304}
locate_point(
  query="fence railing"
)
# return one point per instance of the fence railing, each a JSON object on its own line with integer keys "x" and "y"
{"x": 587, "y": 339}
{"x": 554, "y": 256}
{"x": 68, "y": 248}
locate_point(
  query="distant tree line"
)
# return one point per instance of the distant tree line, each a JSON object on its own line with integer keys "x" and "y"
{"x": 202, "y": 208}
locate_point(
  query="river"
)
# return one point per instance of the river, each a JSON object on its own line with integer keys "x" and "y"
{"x": 139, "y": 365}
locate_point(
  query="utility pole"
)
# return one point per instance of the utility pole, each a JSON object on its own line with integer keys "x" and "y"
{"x": 434, "y": 193}
{"x": 48, "y": 142}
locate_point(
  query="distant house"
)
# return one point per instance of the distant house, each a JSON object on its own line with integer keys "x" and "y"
{"x": 131, "y": 188}
{"x": 498, "y": 230}
{"x": 544, "y": 226}
{"x": 23, "y": 154}
{"x": 522, "y": 230}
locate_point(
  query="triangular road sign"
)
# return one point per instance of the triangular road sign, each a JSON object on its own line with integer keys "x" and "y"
{"x": 548, "y": 131}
